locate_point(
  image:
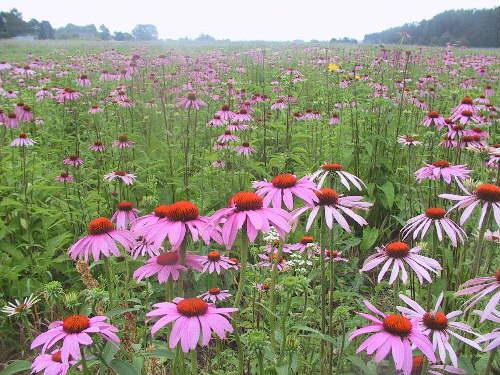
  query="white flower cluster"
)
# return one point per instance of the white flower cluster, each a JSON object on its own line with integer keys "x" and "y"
{"x": 271, "y": 236}
{"x": 299, "y": 264}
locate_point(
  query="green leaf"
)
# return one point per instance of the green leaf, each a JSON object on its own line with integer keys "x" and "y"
{"x": 115, "y": 312}
{"x": 388, "y": 190}
{"x": 123, "y": 367}
{"x": 370, "y": 236}
{"x": 16, "y": 367}
{"x": 109, "y": 352}
{"x": 316, "y": 333}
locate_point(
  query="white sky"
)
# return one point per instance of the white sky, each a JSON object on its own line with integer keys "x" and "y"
{"x": 242, "y": 20}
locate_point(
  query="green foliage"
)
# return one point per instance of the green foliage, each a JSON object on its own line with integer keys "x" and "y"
{"x": 472, "y": 27}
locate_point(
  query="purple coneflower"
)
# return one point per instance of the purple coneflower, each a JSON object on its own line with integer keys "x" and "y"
{"x": 22, "y": 141}
{"x": 347, "y": 179}
{"x": 227, "y": 137}
{"x": 123, "y": 142}
{"x": 335, "y": 206}
{"x": 123, "y": 176}
{"x": 215, "y": 262}
{"x": 51, "y": 364}
{"x": 142, "y": 246}
{"x": 124, "y": 215}
{"x": 64, "y": 177}
{"x": 269, "y": 259}
{"x": 494, "y": 336}
{"x": 175, "y": 221}
{"x": 225, "y": 113}
{"x": 97, "y": 146}
{"x": 246, "y": 209}
{"x": 101, "y": 239}
{"x": 434, "y": 119}
{"x": 419, "y": 225}
{"x": 190, "y": 101}
{"x": 95, "y": 109}
{"x": 244, "y": 149}
{"x": 442, "y": 170}
{"x": 73, "y": 160}
{"x": 74, "y": 330}
{"x": 397, "y": 254}
{"x": 282, "y": 189}
{"x": 83, "y": 81}
{"x": 479, "y": 288}
{"x": 408, "y": 140}
{"x": 194, "y": 319}
{"x": 166, "y": 266}
{"x": 216, "y": 122}
{"x": 334, "y": 120}
{"x": 486, "y": 195}
{"x": 395, "y": 334}
{"x": 214, "y": 295}
{"x": 439, "y": 327}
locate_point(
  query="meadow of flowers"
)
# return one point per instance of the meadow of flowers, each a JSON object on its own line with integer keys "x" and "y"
{"x": 242, "y": 209}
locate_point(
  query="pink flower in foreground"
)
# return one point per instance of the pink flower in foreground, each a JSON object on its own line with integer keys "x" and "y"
{"x": 494, "y": 336}
{"x": 283, "y": 188}
{"x": 479, "y": 288}
{"x": 74, "y": 330}
{"x": 442, "y": 170}
{"x": 486, "y": 195}
{"x": 347, "y": 179}
{"x": 101, "y": 239}
{"x": 165, "y": 266}
{"x": 439, "y": 327}
{"x": 22, "y": 141}
{"x": 397, "y": 254}
{"x": 194, "y": 321}
{"x": 394, "y": 334}
{"x": 125, "y": 214}
{"x": 434, "y": 217}
{"x": 214, "y": 295}
{"x": 246, "y": 209}
{"x": 175, "y": 221}
{"x": 335, "y": 206}
{"x": 51, "y": 364}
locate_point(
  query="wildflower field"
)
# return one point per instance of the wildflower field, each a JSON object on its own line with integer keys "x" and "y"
{"x": 248, "y": 209}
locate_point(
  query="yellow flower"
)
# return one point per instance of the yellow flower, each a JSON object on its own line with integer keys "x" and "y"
{"x": 357, "y": 77}
{"x": 333, "y": 67}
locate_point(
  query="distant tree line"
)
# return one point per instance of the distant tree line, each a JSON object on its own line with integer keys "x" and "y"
{"x": 474, "y": 28}
{"x": 12, "y": 25}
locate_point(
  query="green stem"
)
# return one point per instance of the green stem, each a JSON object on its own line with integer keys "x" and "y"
{"x": 109, "y": 272}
